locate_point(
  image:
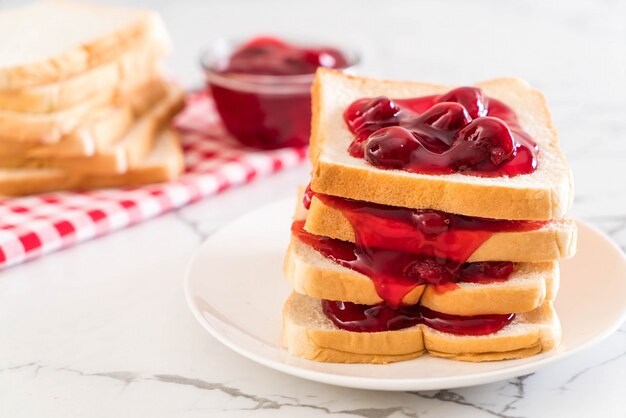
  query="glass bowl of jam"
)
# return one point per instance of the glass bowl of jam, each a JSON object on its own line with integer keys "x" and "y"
{"x": 261, "y": 87}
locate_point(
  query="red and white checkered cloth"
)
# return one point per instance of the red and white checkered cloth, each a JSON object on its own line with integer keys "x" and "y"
{"x": 37, "y": 225}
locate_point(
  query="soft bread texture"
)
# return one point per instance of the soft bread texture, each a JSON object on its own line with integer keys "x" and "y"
{"x": 130, "y": 147}
{"x": 553, "y": 241}
{"x": 308, "y": 333}
{"x": 543, "y": 195}
{"x": 71, "y": 38}
{"x": 314, "y": 275}
{"x": 164, "y": 163}
{"x": 32, "y": 129}
{"x": 45, "y": 128}
{"x": 110, "y": 80}
{"x": 100, "y": 129}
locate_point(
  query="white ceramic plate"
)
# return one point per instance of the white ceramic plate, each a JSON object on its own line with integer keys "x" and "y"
{"x": 236, "y": 290}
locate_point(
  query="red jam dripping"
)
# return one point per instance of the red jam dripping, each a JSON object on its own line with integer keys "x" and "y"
{"x": 271, "y": 114}
{"x": 378, "y": 318}
{"x": 396, "y": 273}
{"x": 460, "y": 131}
{"x": 421, "y": 231}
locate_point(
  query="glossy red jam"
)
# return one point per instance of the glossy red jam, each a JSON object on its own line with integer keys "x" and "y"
{"x": 400, "y": 248}
{"x": 272, "y": 56}
{"x": 262, "y": 93}
{"x": 461, "y": 131}
{"x": 426, "y": 232}
{"x": 378, "y": 318}
{"x": 395, "y": 273}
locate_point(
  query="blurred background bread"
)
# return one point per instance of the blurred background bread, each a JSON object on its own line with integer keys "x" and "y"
{"x": 83, "y": 99}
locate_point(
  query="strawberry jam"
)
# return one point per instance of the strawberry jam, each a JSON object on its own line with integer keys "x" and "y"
{"x": 378, "y": 318}
{"x": 400, "y": 249}
{"x": 460, "y": 131}
{"x": 395, "y": 273}
{"x": 426, "y": 232}
{"x": 272, "y": 56}
{"x": 262, "y": 90}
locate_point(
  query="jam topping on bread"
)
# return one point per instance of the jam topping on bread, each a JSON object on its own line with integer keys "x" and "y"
{"x": 400, "y": 249}
{"x": 380, "y": 318}
{"x": 461, "y": 131}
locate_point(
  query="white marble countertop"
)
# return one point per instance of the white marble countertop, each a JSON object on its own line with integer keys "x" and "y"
{"x": 102, "y": 329}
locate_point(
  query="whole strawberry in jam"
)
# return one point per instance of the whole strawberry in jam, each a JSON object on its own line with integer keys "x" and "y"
{"x": 431, "y": 222}
{"x": 390, "y": 147}
{"x": 460, "y": 131}
{"x": 369, "y": 115}
{"x": 437, "y": 126}
{"x": 429, "y": 270}
{"x": 484, "y": 142}
{"x": 470, "y": 98}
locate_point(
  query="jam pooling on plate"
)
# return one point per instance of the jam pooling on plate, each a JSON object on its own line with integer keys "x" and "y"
{"x": 400, "y": 248}
{"x": 273, "y": 56}
{"x": 378, "y": 318}
{"x": 460, "y": 131}
{"x": 262, "y": 104}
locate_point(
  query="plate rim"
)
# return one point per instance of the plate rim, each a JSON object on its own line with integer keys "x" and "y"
{"x": 388, "y": 384}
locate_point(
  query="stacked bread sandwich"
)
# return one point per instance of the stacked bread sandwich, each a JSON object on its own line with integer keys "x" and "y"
{"x": 83, "y": 102}
{"x": 433, "y": 223}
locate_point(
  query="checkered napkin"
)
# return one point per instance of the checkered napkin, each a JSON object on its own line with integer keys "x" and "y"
{"x": 37, "y": 225}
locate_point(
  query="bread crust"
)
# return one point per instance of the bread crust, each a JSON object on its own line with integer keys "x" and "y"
{"x": 82, "y": 57}
{"x": 339, "y": 346}
{"x": 117, "y": 157}
{"x": 313, "y": 275}
{"x": 528, "y": 335}
{"x": 526, "y": 197}
{"x": 553, "y": 242}
{"x": 109, "y": 80}
{"x": 25, "y": 182}
{"x": 34, "y": 130}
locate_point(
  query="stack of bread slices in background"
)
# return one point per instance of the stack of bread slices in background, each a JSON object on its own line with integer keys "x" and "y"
{"x": 83, "y": 102}
{"x": 348, "y": 198}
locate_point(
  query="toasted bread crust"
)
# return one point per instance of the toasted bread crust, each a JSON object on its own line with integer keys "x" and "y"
{"x": 546, "y": 244}
{"x": 330, "y": 344}
{"x": 455, "y": 193}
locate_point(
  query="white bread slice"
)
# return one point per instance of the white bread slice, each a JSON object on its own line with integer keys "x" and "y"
{"x": 111, "y": 80}
{"x": 130, "y": 148}
{"x": 46, "y": 128}
{"x": 308, "y": 333}
{"x": 312, "y": 274}
{"x": 71, "y": 145}
{"x": 542, "y": 195}
{"x": 49, "y": 128}
{"x": 70, "y": 38}
{"x": 316, "y": 276}
{"x": 554, "y": 241}
{"x": 101, "y": 128}
{"x": 164, "y": 163}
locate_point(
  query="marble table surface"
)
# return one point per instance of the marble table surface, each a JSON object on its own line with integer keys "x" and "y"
{"x": 102, "y": 329}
